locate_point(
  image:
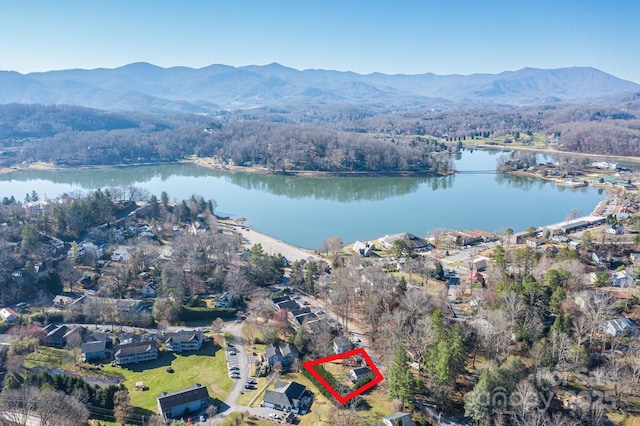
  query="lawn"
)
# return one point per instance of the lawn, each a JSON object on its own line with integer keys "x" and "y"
{"x": 50, "y": 357}
{"x": 322, "y": 408}
{"x": 207, "y": 367}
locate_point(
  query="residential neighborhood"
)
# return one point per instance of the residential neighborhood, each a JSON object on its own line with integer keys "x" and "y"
{"x": 197, "y": 324}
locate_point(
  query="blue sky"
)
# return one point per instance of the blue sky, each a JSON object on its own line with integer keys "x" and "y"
{"x": 364, "y": 36}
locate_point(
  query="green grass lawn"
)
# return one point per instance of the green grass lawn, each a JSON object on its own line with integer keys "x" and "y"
{"x": 50, "y": 357}
{"x": 322, "y": 408}
{"x": 207, "y": 367}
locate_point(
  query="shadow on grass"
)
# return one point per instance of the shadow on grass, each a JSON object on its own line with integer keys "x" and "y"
{"x": 164, "y": 360}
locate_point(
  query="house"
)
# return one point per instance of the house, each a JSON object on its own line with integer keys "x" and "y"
{"x": 480, "y": 263}
{"x": 620, "y": 279}
{"x": 60, "y": 301}
{"x": 341, "y": 344}
{"x": 359, "y": 373}
{"x": 183, "y": 341}
{"x": 285, "y": 354}
{"x": 8, "y": 314}
{"x": 223, "y": 301}
{"x": 175, "y": 404}
{"x": 363, "y": 249}
{"x": 619, "y": 327}
{"x": 286, "y": 305}
{"x": 95, "y": 348}
{"x": 58, "y": 336}
{"x": 600, "y": 259}
{"x": 533, "y": 242}
{"x": 615, "y": 230}
{"x": 287, "y": 396}
{"x": 132, "y": 353}
{"x": 394, "y": 419}
{"x": 475, "y": 277}
{"x": 149, "y": 289}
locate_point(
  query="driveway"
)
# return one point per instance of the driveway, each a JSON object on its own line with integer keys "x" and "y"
{"x": 240, "y": 359}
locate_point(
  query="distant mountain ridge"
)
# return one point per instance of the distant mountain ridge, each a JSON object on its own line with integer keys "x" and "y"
{"x": 149, "y": 88}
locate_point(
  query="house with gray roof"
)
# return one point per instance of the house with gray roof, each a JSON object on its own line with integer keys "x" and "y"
{"x": 285, "y": 354}
{"x": 184, "y": 341}
{"x": 95, "y": 347}
{"x": 132, "y": 353}
{"x": 392, "y": 420}
{"x": 288, "y": 396}
{"x": 619, "y": 327}
{"x": 189, "y": 400}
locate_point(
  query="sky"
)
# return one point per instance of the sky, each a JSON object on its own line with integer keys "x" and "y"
{"x": 363, "y": 36}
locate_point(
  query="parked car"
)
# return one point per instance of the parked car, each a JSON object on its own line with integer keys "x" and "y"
{"x": 250, "y": 387}
{"x": 232, "y": 352}
{"x": 274, "y": 416}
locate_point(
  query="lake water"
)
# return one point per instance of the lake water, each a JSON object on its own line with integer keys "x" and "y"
{"x": 306, "y": 211}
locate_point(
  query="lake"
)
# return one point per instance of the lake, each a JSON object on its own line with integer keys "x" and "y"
{"x": 306, "y": 211}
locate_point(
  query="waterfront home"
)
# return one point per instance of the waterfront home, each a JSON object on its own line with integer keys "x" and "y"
{"x": 190, "y": 400}
{"x": 287, "y": 396}
{"x": 183, "y": 341}
{"x": 363, "y": 249}
{"x": 133, "y": 353}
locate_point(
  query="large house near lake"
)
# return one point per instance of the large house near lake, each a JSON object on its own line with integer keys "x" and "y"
{"x": 189, "y": 400}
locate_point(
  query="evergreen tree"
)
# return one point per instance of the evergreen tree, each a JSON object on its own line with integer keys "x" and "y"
{"x": 399, "y": 380}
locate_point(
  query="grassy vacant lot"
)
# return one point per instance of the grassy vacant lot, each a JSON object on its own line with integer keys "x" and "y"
{"x": 207, "y": 367}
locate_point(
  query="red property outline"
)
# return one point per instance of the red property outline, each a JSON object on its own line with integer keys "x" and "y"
{"x": 342, "y": 399}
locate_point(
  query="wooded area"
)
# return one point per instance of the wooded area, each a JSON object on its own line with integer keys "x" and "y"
{"x": 343, "y": 138}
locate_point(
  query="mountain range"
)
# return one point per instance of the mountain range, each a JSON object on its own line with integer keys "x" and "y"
{"x": 149, "y": 88}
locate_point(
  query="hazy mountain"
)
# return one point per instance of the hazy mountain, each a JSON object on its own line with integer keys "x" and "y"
{"x": 146, "y": 87}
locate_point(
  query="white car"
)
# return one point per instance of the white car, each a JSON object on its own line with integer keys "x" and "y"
{"x": 274, "y": 416}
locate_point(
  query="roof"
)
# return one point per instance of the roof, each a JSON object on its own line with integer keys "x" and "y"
{"x": 195, "y": 392}
{"x": 284, "y": 393}
{"x": 361, "y": 371}
{"x": 95, "y": 346}
{"x": 282, "y": 350}
{"x": 288, "y": 304}
{"x": 136, "y": 347}
{"x": 183, "y": 336}
{"x": 405, "y": 419}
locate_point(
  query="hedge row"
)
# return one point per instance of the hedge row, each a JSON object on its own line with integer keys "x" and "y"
{"x": 206, "y": 314}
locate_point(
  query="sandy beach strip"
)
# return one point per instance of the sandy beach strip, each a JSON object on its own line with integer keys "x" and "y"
{"x": 271, "y": 245}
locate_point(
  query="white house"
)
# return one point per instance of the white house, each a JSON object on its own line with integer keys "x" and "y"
{"x": 620, "y": 279}
{"x": 8, "y": 314}
{"x": 149, "y": 290}
{"x": 619, "y": 327}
